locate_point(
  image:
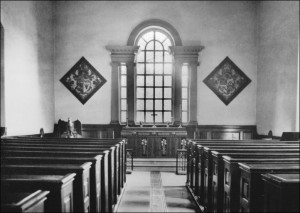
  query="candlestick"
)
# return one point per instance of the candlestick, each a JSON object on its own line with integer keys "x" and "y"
{"x": 113, "y": 134}
{"x": 194, "y": 135}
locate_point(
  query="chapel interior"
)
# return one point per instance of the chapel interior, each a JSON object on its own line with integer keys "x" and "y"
{"x": 150, "y": 106}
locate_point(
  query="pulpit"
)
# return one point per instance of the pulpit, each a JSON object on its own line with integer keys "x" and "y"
{"x": 154, "y": 142}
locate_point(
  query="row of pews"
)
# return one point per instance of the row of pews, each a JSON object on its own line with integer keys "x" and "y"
{"x": 61, "y": 174}
{"x": 244, "y": 175}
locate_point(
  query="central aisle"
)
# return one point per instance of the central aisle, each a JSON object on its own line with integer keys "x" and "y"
{"x": 156, "y": 192}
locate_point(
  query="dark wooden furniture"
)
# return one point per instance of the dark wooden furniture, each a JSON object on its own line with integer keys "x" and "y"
{"x": 81, "y": 183}
{"x": 290, "y": 136}
{"x": 24, "y": 201}
{"x": 281, "y": 192}
{"x": 251, "y": 184}
{"x": 95, "y": 171}
{"x": 159, "y": 142}
{"x": 61, "y": 187}
{"x": 228, "y": 176}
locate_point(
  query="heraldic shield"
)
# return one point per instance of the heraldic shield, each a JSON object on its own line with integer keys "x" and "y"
{"x": 83, "y": 80}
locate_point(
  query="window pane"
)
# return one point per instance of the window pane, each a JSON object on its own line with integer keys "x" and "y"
{"x": 158, "y": 81}
{"x": 140, "y": 80}
{"x": 123, "y": 116}
{"x": 148, "y": 36}
{"x": 158, "y": 92}
{"x": 168, "y": 93}
{"x": 167, "y": 104}
{"x": 168, "y": 57}
{"x": 149, "y": 80}
{"x": 158, "y": 56}
{"x": 149, "y": 92}
{"x": 140, "y": 105}
{"x": 160, "y": 36}
{"x": 140, "y": 93}
{"x": 140, "y": 68}
{"x": 149, "y": 104}
{"x": 158, "y": 46}
{"x": 149, "y": 117}
{"x": 184, "y": 70}
{"x": 168, "y": 81}
{"x": 184, "y": 93}
{"x": 158, "y": 117}
{"x": 184, "y": 117}
{"x": 167, "y": 117}
{"x": 167, "y": 43}
{"x": 149, "y": 56}
{"x": 168, "y": 69}
{"x": 158, "y": 104}
{"x": 184, "y": 105}
{"x": 140, "y": 116}
{"x": 123, "y": 80}
{"x": 149, "y": 68}
{"x": 123, "y": 69}
{"x": 141, "y": 56}
{"x": 184, "y": 81}
{"x": 123, "y": 92}
{"x": 142, "y": 44}
{"x": 150, "y": 45}
{"x": 159, "y": 68}
{"x": 123, "y": 104}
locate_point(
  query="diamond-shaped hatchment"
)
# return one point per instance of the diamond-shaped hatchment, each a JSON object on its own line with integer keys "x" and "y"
{"x": 83, "y": 80}
{"x": 227, "y": 80}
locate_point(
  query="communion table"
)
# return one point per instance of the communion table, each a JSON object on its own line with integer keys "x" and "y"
{"x": 155, "y": 142}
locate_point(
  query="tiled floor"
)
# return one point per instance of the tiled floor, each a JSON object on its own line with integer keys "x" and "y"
{"x": 139, "y": 196}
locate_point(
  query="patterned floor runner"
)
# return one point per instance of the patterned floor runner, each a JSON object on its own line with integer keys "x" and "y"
{"x": 157, "y": 194}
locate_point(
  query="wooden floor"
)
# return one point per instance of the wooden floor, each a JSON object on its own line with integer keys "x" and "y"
{"x": 153, "y": 191}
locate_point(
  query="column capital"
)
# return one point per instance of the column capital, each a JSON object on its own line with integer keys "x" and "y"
{"x": 186, "y": 54}
{"x": 123, "y": 54}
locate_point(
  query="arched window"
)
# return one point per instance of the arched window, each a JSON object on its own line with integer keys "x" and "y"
{"x": 154, "y": 77}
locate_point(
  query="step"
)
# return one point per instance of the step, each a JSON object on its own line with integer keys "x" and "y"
{"x": 153, "y": 164}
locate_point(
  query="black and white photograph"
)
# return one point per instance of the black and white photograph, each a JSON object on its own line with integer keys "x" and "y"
{"x": 150, "y": 106}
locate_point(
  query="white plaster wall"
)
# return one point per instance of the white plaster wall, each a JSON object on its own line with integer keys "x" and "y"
{"x": 277, "y": 66}
{"x": 29, "y": 92}
{"x": 224, "y": 28}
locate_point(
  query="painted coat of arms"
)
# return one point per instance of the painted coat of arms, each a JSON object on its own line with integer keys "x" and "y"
{"x": 83, "y": 80}
{"x": 227, "y": 80}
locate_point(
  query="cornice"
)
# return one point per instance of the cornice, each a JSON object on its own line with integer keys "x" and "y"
{"x": 186, "y": 50}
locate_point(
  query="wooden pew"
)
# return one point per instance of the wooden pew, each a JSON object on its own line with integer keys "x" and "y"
{"x": 281, "y": 192}
{"x": 60, "y": 198}
{"x": 106, "y": 168}
{"x": 119, "y": 156}
{"x": 95, "y": 172}
{"x": 81, "y": 187}
{"x": 24, "y": 202}
{"x": 197, "y": 162}
{"x": 208, "y": 165}
{"x": 192, "y": 151}
{"x": 86, "y": 142}
{"x": 113, "y": 170}
{"x": 251, "y": 183}
{"x": 227, "y": 175}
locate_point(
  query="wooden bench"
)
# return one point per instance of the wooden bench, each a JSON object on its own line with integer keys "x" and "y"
{"x": 24, "y": 202}
{"x": 60, "y": 198}
{"x": 67, "y": 142}
{"x": 193, "y": 150}
{"x": 208, "y": 165}
{"x": 81, "y": 187}
{"x": 106, "y": 168}
{"x": 119, "y": 156}
{"x": 251, "y": 183}
{"x": 95, "y": 172}
{"x": 281, "y": 192}
{"x": 227, "y": 176}
{"x": 196, "y": 162}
